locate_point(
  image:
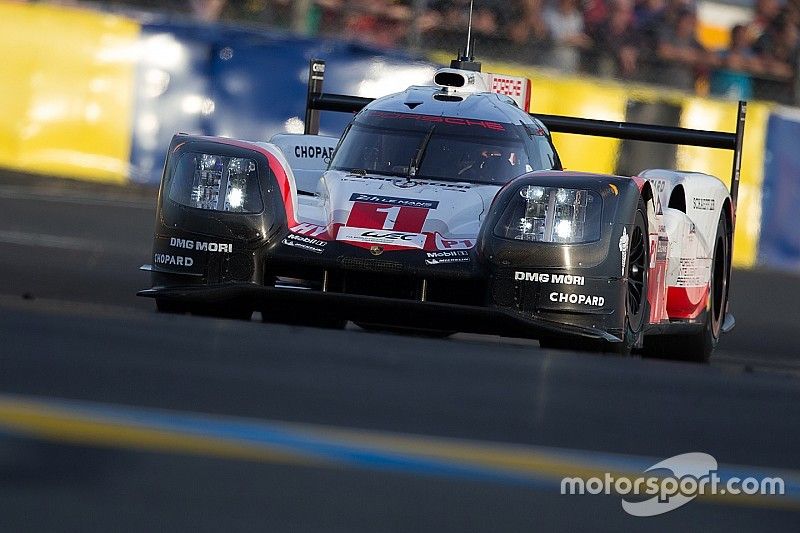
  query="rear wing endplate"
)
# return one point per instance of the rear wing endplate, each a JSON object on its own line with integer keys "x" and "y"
{"x": 318, "y": 101}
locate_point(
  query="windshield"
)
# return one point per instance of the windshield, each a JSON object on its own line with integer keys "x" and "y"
{"x": 442, "y": 148}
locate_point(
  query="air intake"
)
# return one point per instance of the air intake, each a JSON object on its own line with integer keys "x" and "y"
{"x": 449, "y": 79}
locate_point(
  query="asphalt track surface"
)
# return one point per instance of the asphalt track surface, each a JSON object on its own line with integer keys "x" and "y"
{"x": 113, "y": 417}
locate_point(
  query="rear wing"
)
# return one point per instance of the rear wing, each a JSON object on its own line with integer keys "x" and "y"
{"x": 318, "y": 101}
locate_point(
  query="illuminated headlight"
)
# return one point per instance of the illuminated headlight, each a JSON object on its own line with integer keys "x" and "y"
{"x": 553, "y": 214}
{"x": 217, "y": 183}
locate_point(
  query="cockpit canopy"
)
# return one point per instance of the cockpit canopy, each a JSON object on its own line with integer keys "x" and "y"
{"x": 442, "y": 148}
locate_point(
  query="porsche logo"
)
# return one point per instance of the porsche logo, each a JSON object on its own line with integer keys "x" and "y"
{"x": 376, "y": 250}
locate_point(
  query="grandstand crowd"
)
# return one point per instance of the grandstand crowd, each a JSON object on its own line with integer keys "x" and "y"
{"x": 649, "y": 41}
{"x": 652, "y": 41}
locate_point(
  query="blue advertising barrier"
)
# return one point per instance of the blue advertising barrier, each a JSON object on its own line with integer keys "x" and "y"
{"x": 780, "y": 235}
{"x": 248, "y": 84}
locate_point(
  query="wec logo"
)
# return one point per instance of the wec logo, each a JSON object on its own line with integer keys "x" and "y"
{"x": 385, "y": 237}
{"x": 390, "y": 236}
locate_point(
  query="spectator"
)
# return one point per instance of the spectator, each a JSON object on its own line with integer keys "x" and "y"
{"x": 765, "y": 13}
{"x": 490, "y": 23}
{"x": 595, "y": 14}
{"x": 648, "y": 40}
{"x": 382, "y": 24}
{"x": 565, "y": 27}
{"x": 778, "y": 47}
{"x": 617, "y": 41}
{"x": 646, "y": 12}
{"x": 526, "y": 25}
{"x": 486, "y": 16}
{"x": 679, "y": 52}
{"x": 737, "y": 63}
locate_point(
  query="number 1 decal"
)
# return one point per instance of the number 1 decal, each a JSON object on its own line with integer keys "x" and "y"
{"x": 391, "y": 216}
{"x": 381, "y": 216}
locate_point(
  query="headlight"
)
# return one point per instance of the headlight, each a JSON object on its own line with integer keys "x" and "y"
{"x": 217, "y": 183}
{"x": 552, "y": 214}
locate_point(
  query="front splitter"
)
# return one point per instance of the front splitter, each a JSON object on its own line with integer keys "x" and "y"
{"x": 389, "y": 311}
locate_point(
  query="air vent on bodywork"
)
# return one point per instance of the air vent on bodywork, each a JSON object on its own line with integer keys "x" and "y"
{"x": 370, "y": 265}
{"x": 238, "y": 267}
{"x": 449, "y": 79}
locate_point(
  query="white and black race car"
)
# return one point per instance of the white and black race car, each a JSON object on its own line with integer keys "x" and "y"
{"x": 445, "y": 208}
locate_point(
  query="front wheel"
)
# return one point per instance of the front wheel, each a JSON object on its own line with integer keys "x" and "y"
{"x": 637, "y": 307}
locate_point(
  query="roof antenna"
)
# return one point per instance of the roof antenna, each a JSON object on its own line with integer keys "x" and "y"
{"x": 466, "y": 61}
{"x": 469, "y": 29}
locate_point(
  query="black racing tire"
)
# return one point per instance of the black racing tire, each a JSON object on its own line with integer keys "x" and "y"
{"x": 637, "y": 306}
{"x": 698, "y": 347}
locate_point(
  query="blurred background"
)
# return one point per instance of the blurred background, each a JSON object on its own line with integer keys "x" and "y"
{"x": 94, "y": 90}
{"x": 114, "y": 417}
{"x": 731, "y": 48}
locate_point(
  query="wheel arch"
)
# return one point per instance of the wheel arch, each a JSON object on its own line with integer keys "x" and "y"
{"x": 677, "y": 199}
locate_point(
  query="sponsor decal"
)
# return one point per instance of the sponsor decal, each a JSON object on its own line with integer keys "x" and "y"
{"x": 201, "y": 246}
{"x": 659, "y": 185}
{"x": 453, "y": 244}
{"x": 308, "y": 229}
{"x": 373, "y": 236}
{"x": 385, "y": 216}
{"x": 506, "y": 85}
{"x": 173, "y": 260}
{"x": 578, "y": 299}
{"x": 391, "y": 200}
{"x": 703, "y": 204}
{"x": 555, "y": 279}
{"x": 441, "y": 258}
{"x": 663, "y": 249}
{"x": 653, "y": 245}
{"x": 405, "y": 184}
{"x": 313, "y": 152}
{"x": 693, "y": 272}
{"x": 305, "y": 243}
{"x": 453, "y": 121}
{"x": 623, "y": 248}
